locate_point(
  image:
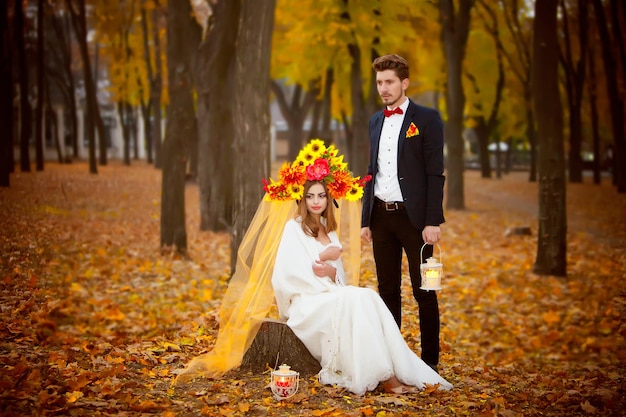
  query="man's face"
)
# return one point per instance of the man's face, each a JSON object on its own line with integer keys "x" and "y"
{"x": 391, "y": 88}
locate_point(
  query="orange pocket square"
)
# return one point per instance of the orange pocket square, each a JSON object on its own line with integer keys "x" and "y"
{"x": 412, "y": 131}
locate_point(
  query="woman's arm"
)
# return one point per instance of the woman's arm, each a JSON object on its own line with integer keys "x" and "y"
{"x": 331, "y": 253}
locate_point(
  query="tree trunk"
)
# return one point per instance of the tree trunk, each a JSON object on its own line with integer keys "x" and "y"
{"x": 80, "y": 29}
{"x": 60, "y": 54}
{"x": 92, "y": 84}
{"x": 531, "y": 133}
{"x": 215, "y": 68}
{"x": 316, "y": 115}
{"x": 134, "y": 130}
{"x": 326, "y": 133}
{"x": 41, "y": 96}
{"x": 276, "y": 344}
{"x": 592, "y": 87}
{"x": 615, "y": 101}
{"x": 180, "y": 125}
{"x": 25, "y": 108}
{"x": 455, "y": 31}
{"x": 71, "y": 87}
{"x": 574, "y": 70}
{"x": 146, "y": 106}
{"x": 358, "y": 140}
{"x": 294, "y": 113}
{"x": 252, "y": 118}
{"x": 6, "y": 99}
{"x": 482, "y": 135}
{"x": 122, "y": 112}
{"x": 157, "y": 86}
{"x": 551, "y": 247}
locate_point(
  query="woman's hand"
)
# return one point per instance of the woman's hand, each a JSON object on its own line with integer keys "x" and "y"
{"x": 331, "y": 253}
{"x": 322, "y": 269}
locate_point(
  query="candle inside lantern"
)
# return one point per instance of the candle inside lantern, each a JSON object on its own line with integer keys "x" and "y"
{"x": 432, "y": 272}
{"x": 284, "y": 382}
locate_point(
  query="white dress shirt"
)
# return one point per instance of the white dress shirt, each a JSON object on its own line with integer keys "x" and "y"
{"x": 387, "y": 187}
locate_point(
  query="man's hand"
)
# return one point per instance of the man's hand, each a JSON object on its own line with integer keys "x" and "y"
{"x": 430, "y": 234}
{"x": 366, "y": 234}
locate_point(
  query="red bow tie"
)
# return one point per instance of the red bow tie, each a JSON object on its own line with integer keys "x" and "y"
{"x": 388, "y": 113}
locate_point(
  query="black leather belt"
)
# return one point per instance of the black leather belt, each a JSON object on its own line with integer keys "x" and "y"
{"x": 392, "y": 206}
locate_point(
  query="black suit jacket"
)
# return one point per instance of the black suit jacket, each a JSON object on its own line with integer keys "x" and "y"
{"x": 420, "y": 166}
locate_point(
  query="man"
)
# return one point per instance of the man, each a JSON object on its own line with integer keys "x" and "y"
{"x": 402, "y": 205}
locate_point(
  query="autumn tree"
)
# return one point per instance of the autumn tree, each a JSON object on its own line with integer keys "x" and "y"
{"x": 485, "y": 97}
{"x": 59, "y": 67}
{"x": 251, "y": 114}
{"x": 517, "y": 52}
{"x": 551, "y": 246}
{"x": 122, "y": 46}
{"x": 151, "y": 18}
{"x": 41, "y": 88}
{"x": 592, "y": 93}
{"x": 146, "y": 92}
{"x": 295, "y": 109}
{"x": 79, "y": 21}
{"x": 215, "y": 73}
{"x": 180, "y": 123}
{"x": 358, "y": 132}
{"x": 6, "y": 99}
{"x": 24, "y": 89}
{"x": 336, "y": 42}
{"x": 616, "y": 100}
{"x": 573, "y": 59}
{"x": 455, "y": 25}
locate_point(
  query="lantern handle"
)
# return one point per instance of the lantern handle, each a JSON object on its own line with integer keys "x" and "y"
{"x": 422, "y": 252}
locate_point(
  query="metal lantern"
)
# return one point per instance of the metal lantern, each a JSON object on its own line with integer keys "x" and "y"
{"x": 284, "y": 382}
{"x": 431, "y": 271}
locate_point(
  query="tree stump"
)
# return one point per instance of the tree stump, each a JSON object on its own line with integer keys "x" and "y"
{"x": 276, "y": 344}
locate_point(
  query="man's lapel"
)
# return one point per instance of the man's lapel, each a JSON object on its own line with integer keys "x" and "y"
{"x": 408, "y": 118}
{"x": 379, "y": 127}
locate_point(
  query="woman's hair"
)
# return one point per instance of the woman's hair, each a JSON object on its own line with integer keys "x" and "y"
{"x": 393, "y": 62}
{"x": 309, "y": 225}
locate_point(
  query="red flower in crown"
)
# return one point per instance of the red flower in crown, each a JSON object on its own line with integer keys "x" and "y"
{"x": 318, "y": 170}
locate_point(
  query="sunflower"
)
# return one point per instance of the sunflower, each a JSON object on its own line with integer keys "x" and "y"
{"x": 356, "y": 191}
{"x": 316, "y": 147}
{"x": 306, "y": 157}
{"x": 295, "y": 191}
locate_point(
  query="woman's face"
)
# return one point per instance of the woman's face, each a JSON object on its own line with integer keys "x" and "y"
{"x": 316, "y": 199}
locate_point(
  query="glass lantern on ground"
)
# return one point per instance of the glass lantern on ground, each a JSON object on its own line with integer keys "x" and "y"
{"x": 284, "y": 382}
{"x": 431, "y": 272}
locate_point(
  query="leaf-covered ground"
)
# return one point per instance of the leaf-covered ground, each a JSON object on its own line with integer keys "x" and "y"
{"x": 95, "y": 320}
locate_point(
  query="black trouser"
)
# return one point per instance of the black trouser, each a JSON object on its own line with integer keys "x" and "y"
{"x": 391, "y": 232}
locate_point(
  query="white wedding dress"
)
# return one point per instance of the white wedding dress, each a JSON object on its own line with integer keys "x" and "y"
{"x": 348, "y": 329}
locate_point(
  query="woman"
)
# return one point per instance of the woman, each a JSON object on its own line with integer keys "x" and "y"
{"x": 348, "y": 329}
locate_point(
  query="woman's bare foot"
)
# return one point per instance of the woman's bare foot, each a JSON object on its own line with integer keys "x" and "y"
{"x": 394, "y": 386}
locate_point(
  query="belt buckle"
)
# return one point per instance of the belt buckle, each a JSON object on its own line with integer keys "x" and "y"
{"x": 391, "y": 206}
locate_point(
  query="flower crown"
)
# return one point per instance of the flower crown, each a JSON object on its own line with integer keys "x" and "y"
{"x": 315, "y": 162}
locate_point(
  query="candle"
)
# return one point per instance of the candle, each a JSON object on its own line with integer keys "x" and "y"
{"x": 432, "y": 273}
{"x": 284, "y": 382}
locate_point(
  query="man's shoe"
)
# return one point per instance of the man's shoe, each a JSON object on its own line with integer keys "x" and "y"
{"x": 433, "y": 366}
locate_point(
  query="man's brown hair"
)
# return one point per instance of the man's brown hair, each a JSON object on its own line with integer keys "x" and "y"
{"x": 392, "y": 62}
